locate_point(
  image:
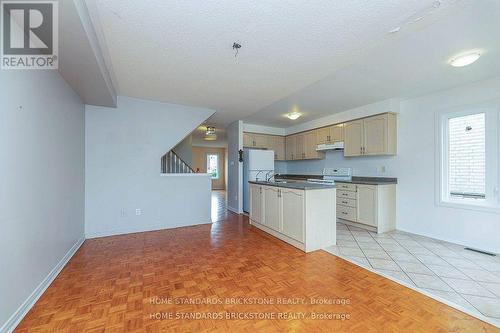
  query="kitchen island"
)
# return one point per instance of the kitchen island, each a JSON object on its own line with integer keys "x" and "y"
{"x": 299, "y": 213}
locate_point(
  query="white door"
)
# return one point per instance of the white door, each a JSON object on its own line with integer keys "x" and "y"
{"x": 256, "y": 203}
{"x": 353, "y": 138}
{"x": 272, "y": 209}
{"x": 293, "y": 214}
{"x": 375, "y": 135}
{"x": 367, "y": 204}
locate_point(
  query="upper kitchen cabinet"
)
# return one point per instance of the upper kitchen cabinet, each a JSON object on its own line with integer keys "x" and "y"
{"x": 265, "y": 141}
{"x": 371, "y": 136}
{"x": 277, "y": 143}
{"x": 253, "y": 140}
{"x": 302, "y": 146}
{"x": 337, "y": 133}
{"x": 310, "y": 145}
{"x": 300, "y": 152}
{"x": 330, "y": 134}
{"x": 290, "y": 147}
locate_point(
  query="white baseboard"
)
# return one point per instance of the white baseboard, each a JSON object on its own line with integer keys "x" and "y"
{"x": 124, "y": 231}
{"x": 233, "y": 210}
{"x": 17, "y": 316}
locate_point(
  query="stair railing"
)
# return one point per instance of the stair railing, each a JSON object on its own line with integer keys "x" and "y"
{"x": 173, "y": 163}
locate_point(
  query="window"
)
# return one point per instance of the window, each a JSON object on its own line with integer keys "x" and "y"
{"x": 469, "y": 158}
{"x": 213, "y": 165}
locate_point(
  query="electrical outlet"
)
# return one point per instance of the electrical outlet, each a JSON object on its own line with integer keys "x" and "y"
{"x": 138, "y": 212}
{"x": 123, "y": 213}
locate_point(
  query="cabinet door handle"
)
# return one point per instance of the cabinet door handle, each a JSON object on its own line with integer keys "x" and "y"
{"x": 344, "y": 202}
{"x": 344, "y": 213}
{"x": 344, "y": 194}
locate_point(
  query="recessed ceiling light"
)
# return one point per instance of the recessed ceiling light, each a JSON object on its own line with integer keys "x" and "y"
{"x": 293, "y": 115}
{"x": 465, "y": 59}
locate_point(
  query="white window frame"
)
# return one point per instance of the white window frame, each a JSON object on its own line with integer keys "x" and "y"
{"x": 218, "y": 164}
{"x": 492, "y": 200}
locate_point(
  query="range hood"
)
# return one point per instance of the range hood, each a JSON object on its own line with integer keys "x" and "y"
{"x": 339, "y": 145}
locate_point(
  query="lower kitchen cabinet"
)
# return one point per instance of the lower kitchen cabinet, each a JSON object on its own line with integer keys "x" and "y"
{"x": 293, "y": 214}
{"x": 272, "y": 207}
{"x": 369, "y": 206}
{"x": 305, "y": 219}
{"x": 257, "y": 200}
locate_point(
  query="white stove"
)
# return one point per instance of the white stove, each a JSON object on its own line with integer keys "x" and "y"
{"x": 330, "y": 175}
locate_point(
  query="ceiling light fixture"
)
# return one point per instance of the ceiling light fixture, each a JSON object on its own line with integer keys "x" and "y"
{"x": 293, "y": 115}
{"x": 210, "y": 134}
{"x": 465, "y": 59}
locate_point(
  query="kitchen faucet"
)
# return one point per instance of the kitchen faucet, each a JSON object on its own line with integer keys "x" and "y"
{"x": 268, "y": 179}
{"x": 257, "y": 175}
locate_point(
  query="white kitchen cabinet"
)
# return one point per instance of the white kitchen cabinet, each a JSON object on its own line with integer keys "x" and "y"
{"x": 272, "y": 210}
{"x": 370, "y": 206}
{"x": 305, "y": 218}
{"x": 256, "y": 203}
{"x": 293, "y": 214}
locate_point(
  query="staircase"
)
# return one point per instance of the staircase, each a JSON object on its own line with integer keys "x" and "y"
{"x": 172, "y": 163}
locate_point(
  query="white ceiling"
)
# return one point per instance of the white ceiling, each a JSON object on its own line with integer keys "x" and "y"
{"x": 411, "y": 63}
{"x": 322, "y": 56}
{"x": 80, "y": 62}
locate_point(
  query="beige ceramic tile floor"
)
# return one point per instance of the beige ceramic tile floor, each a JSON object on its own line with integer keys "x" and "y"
{"x": 445, "y": 270}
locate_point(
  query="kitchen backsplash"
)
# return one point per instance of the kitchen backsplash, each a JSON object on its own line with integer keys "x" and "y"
{"x": 375, "y": 166}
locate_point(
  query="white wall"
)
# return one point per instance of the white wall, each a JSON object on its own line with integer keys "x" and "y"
{"x": 415, "y": 164}
{"x": 123, "y": 150}
{"x": 42, "y": 183}
{"x": 252, "y": 128}
{"x": 235, "y": 167}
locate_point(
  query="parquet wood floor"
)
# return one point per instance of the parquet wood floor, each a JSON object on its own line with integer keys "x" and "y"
{"x": 109, "y": 283}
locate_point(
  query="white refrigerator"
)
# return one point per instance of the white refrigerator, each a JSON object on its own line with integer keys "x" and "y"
{"x": 256, "y": 164}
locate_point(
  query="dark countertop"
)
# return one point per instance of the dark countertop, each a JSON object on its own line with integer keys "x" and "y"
{"x": 355, "y": 179}
{"x": 295, "y": 185}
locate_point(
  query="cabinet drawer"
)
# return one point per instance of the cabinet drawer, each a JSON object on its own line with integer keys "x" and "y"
{"x": 347, "y": 213}
{"x": 347, "y": 202}
{"x": 347, "y": 187}
{"x": 346, "y": 194}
